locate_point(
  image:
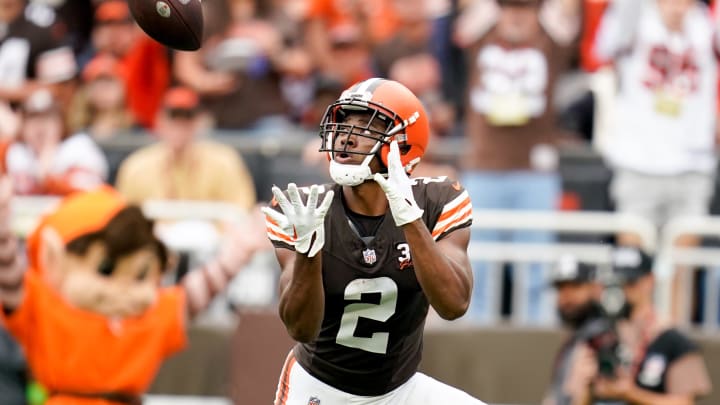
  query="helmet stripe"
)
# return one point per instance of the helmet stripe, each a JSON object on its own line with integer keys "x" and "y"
{"x": 369, "y": 85}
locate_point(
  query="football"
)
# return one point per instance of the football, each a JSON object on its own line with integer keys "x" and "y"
{"x": 177, "y": 24}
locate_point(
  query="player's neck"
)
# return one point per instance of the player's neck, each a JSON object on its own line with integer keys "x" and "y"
{"x": 366, "y": 199}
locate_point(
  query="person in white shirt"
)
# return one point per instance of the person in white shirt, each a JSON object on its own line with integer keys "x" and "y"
{"x": 46, "y": 159}
{"x": 662, "y": 143}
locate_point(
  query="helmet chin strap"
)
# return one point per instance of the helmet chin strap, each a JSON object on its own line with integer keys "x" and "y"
{"x": 353, "y": 175}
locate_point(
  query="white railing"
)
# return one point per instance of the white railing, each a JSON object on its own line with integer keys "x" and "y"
{"x": 597, "y": 223}
{"x": 27, "y": 210}
{"x": 671, "y": 257}
{"x": 524, "y": 254}
{"x": 668, "y": 256}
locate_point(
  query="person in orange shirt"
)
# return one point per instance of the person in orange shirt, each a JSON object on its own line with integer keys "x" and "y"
{"x": 144, "y": 63}
{"x": 88, "y": 310}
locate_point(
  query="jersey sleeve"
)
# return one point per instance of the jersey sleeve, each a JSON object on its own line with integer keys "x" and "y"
{"x": 447, "y": 205}
{"x": 678, "y": 343}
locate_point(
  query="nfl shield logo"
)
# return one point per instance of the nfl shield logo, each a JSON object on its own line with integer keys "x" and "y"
{"x": 314, "y": 401}
{"x": 369, "y": 256}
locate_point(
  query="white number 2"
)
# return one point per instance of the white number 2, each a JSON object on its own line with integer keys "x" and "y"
{"x": 377, "y": 343}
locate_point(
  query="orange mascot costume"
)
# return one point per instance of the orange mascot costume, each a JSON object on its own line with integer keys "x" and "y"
{"x": 88, "y": 308}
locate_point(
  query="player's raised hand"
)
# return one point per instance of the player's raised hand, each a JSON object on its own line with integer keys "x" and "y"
{"x": 398, "y": 189}
{"x": 304, "y": 222}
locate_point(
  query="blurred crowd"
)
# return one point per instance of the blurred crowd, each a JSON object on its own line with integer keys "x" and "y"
{"x": 514, "y": 80}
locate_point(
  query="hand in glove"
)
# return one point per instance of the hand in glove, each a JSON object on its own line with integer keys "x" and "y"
{"x": 304, "y": 222}
{"x": 398, "y": 189}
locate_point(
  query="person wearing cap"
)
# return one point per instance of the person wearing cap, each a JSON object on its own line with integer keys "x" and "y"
{"x": 578, "y": 296}
{"x": 47, "y": 159}
{"x": 664, "y": 365}
{"x": 180, "y": 165}
{"x": 88, "y": 308}
{"x": 100, "y": 106}
{"x": 144, "y": 62}
{"x": 518, "y": 50}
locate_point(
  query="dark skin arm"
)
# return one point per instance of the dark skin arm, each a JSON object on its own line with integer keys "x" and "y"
{"x": 302, "y": 299}
{"x": 442, "y": 268}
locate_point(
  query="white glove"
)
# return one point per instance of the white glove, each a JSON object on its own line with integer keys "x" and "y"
{"x": 398, "y": 189}
{"x": 300, "y": 221}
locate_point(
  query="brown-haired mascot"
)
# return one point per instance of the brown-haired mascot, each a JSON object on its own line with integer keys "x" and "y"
{"x": 87, "y": 306}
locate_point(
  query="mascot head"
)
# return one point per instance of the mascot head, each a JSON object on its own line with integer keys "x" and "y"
{"x": 99, "y": 253}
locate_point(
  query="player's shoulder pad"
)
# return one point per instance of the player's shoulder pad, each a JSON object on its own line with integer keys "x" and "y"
{"x": 446, "y": 203}
{"x": 438, "y": 189}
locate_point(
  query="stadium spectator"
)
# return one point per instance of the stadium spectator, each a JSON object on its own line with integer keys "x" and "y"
{"x": 340, "y": 35}
{"x": 516, "y": 50}
{"x": 100, "y": 107}
{"x": 375, "y": 227}
{"x": 662, "y": 148}
{"x": 243, "y": 56}
{"x": 578, "y": 305}
{"x": 47, "y": 158}
{"x": 144, "y": 63}
{"x": 662, "y": 366}
{"x": 75, "y": 20}
{"x": 27, "y": 40}
{"x": 181, "y": 165}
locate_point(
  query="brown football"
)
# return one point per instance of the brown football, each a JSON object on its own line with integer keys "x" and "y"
{"x": 177, "y": 24}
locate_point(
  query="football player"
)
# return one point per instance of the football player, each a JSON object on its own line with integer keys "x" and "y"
{"x": 363, "y": 259}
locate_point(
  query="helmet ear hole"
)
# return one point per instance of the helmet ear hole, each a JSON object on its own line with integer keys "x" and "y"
{"x": 404, "y": 148}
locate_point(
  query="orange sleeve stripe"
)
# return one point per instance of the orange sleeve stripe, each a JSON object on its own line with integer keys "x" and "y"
{"x": 449, "y": 213}
{"x": 284, "y": 385}
{"x": 458, "y": 221}
{"x": 271, "y": 221}
{"x": 279, "y": 235}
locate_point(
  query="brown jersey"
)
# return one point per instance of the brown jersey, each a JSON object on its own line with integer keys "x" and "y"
{"x": 370, "y": 341}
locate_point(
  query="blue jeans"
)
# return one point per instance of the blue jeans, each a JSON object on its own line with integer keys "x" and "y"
{"x": 514, "y": 190}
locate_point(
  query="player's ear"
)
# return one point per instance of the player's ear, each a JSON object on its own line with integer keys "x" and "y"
{"x": 52, "y": 255}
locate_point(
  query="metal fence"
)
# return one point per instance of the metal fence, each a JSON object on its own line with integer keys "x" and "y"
{"x": 26, "y": 211}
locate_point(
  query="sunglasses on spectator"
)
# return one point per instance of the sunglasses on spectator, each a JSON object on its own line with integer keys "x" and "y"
{"x": 182, "y": 113}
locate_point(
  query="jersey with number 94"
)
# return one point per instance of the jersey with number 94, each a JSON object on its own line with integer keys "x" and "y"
{"x": 370, "y": 341}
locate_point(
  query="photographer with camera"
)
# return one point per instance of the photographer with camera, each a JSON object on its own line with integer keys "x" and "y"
{"x": 578, "y": 306}
{"x": 663, "y": 366}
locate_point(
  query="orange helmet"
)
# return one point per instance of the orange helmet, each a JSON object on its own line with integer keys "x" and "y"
{"x": 400, "y": 112}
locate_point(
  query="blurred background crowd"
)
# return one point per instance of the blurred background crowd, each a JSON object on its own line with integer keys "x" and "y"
{"x": 535, "y": 105}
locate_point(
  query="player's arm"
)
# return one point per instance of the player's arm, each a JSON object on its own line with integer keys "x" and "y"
{"x": 442, "y": 268}
{"x": 299, "y": 235}
{"x": 440, "y": 258}
{"x": 302, "y": 299}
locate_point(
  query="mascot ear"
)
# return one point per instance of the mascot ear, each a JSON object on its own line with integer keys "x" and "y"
{"x": 52, "y": 255}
